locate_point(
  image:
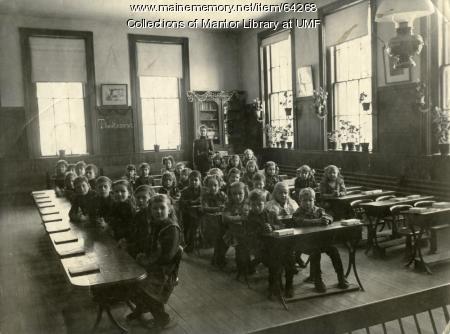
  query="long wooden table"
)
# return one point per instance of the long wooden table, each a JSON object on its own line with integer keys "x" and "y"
{"x": 377, "y": 210}
{"x": 306, "y": 238}
{"x": 420, "y": 222}
{"x": 94, "y": 245}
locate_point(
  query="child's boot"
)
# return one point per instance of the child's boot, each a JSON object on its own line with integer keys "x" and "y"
{"x": 319, "y": 285}
{"x": 342, "y": 281}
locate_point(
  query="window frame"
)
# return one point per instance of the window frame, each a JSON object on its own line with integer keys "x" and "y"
{"x": 325, "y": 67}
{"x": 30, "y": 97}
{"x": 263, "y": 83}
{"x": 184, "y": 86}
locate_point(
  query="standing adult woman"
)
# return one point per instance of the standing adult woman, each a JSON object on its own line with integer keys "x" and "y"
{"x": 203, "y": 151}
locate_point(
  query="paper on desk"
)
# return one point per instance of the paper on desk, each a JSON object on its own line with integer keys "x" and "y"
{"x": 63, "y": 237}
{"x": 417, "y": 210}
{"x": 441, "y": 204}
{"x": 85, "y": 268}
{"x": 350, "y": 222}
{"x": 284, "y": 231}
{"x": 56, "y": 227}
{"x": 373, "y": 191}
{"x": 71, "y": 251}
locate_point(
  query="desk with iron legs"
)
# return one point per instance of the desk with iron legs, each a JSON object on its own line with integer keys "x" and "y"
{"x": 117, "y": 268}
{"x": 305, "y": 239}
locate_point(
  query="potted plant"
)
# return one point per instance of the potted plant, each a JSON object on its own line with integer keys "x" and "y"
{"x": 421, "y": 89}
{"x": 320, "y": 97}
{"x": 272, "y": 135}
{"x": 332, "y": 139}
{"x": 349, "y": 134}
{"x": 342, "y": 133}
{"x": 364, "y": 145}
{"x": 287, "y": 135}
{"x": 363, "y": 99}
{"x": 286, "y": 102}
{"x": 441, "y": 127}
{"x": 156, "y": 147}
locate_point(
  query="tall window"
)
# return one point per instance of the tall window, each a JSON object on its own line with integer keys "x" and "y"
{"x": 446, "y": 58}
{"x": 276, "y": 69}
{"x": 58, "y": 76}
{"x": 351, "y": 87}
{"x": 159, "y": 76}
{"x": 349, "y": 76}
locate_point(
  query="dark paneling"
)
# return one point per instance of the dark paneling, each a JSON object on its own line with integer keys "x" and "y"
{"x": 399, "y": 124}
{"x": 309, "y": 127}
{"x": 13, "y": 137}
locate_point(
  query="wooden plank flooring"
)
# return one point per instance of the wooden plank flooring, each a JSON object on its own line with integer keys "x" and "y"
{"x": 36, "y": 298}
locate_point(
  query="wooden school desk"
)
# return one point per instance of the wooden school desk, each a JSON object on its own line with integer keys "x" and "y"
{"x": 424, "y": 220}
{"x": 117, "y": 268}
{"x": 306, "y": 238}
{"x": 376, "y": 211}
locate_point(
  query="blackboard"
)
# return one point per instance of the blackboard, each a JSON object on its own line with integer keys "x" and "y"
{"x": 115, "y": 129}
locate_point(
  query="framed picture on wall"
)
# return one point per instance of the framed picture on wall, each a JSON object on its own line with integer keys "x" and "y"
{"x": 304, "y": 81}
{"x": 114, "y": 95}
{"x": 394, "y": 75}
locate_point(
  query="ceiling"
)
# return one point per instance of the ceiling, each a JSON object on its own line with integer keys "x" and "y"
{"x": 120, "y": 9}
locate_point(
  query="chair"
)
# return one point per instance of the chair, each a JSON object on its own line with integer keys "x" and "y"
{"x": 424, "y": 204}
{"x": 357, "y": 209}
{"x": 403, "y": 230}
{"x": 384, "y": 198}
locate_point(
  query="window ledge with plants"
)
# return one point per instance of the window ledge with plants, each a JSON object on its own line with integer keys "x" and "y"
{"x": 346, "y": 137}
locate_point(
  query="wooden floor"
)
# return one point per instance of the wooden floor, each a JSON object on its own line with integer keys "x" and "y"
{"x": 35, "y": 297}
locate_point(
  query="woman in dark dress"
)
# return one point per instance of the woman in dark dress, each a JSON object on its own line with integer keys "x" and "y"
{"x": 203, "y": 151}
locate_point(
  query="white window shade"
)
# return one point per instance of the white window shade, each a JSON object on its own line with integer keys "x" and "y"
{"x": 159, "y": 60}
{"x": 347, "y": 24}
{"x": 58, "y": 59}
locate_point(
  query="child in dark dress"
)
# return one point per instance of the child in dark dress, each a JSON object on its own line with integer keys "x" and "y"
{"x": 178, "y": 169}
{"x": 80, "y": 168}
{"x": 234, "y": 175}
{"x": 183, "y": 182}
{"x": 161, "y": 259}
{"x": 305, "y": 179}
{"x": 234, "y": 162}
{"x": 122, "y": 213}
{"x": 144, "y": 175}
{"x": 310, "y": 215}
{"x": 130, "y": 176}
{"x": 259, "y": 182}
{"x": 169, "y": 186}
{"x": 191, "y": 196}
{"x": 271, "y": 174}
{"x": 60, "y": 176}
{"x": 91, "y": 174}
{"x": 69, "y": 188}
{"x": 250, "y": 170}
{"x": 103, "y": 200}
{"x": 82, "y": 208}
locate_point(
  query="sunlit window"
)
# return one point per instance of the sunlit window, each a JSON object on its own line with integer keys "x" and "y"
{"x": 160, "y": 105}
{"x": 61, "y": 117}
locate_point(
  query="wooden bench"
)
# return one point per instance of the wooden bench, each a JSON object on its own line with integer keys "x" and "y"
{"x": 376, "y": 315}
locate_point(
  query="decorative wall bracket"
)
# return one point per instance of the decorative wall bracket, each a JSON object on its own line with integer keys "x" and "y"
{"x": 210, "y": 95}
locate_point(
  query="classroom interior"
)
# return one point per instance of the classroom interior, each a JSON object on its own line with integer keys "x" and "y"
{"x": 353, "y": 91}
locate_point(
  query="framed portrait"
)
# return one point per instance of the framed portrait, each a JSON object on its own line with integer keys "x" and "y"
{"x": 305, "y": 85}
{"x": 114, "y": 95}
{"x": 394, "y": 75}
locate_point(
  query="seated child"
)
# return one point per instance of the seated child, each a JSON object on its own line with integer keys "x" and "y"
{"x": 213, "y": 201}
{"x": 103, "y": 201}
{"x": 184, "y": 178}
{"x": 234, "y": 162}
{"x": 60, "y": 176}
{"x": 248, "y": 156}
{"x": 235, "y": 212}
{"x": 310, "y": 215}
{"x": 251, "y": 168}
{"x": 71, "y": 168}
{"x": 69, "y": 188}
{"x": 141, "y": 225}
{"x": 122, "y": 213}
{"x": 169, "y": 186}
{"x": 305, "y": 179}
{"x": 271, "y": 174}
{"x": 281, "y": 204}
{"x": 234, "y": 175}
{"x": 144, "y": 175}
{"x": 190, "y": 196}
{"x": 169, "y": 163}
{"x": 218, "y": 162}
{"x": 130, "y": 175}
{"x": 258, "y": 182}
{"x": 82, "y": 203}
{"x": 161, "y": 260}
{"x": 219, "y": 173}
{"x": 259, "y": 222}
{"x": 80, "y": 168}
{"x": 332, "y": 183}
{"x": 91, "y": 174}
{"x": 178, "y": 169}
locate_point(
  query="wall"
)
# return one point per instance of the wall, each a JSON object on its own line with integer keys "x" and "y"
{"x": 214, "y": 65}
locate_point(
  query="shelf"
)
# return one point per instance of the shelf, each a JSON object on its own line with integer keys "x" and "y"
{"x": 209, "y": 120}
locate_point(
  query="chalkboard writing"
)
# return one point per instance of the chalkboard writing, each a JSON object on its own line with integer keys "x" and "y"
{"x": 115, "y": 129}
{"x": 105, "y": 124}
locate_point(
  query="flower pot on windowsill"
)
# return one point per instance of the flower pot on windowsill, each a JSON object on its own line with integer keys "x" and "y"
{"x": 289, "y": 144}
{"x": 332, "y": 145}
{"x": 444, "y": 148}
{"x": 357, "y": 147}
{"x": 365, "y": 147}
{"x": 278, "y": 144}
{"x": 344, "y": 146}
{"x": 351, "y": 146}
{"x": 156, "y": 147}
{"x": 62, "y": 154}
{"x": 366, "y": 106}
{"x": 283, "y": 143}
{"x": 288, "y": 111}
